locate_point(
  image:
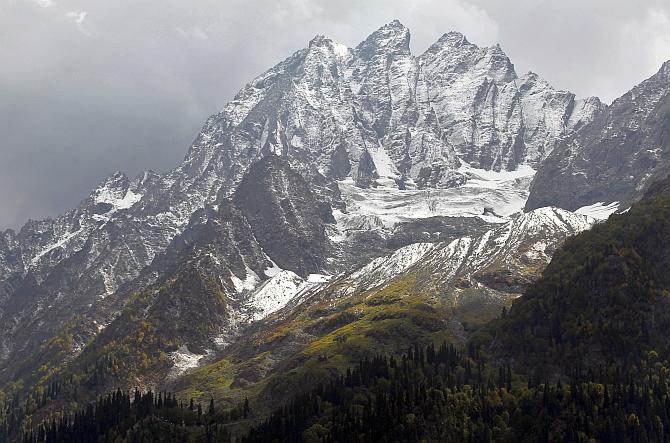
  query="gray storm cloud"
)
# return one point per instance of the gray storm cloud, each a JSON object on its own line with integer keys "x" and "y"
{"x": 87, "y": 88}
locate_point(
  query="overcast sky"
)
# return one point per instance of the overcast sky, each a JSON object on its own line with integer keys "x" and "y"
{"x": 90, "y": 87}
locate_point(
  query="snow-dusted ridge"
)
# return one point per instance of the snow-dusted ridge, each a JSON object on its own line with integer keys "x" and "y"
{"x": 275, "y": 293}
{"x": 527, "y": 236}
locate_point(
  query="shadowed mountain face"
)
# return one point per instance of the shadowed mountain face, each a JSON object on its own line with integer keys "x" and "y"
{"x": 616, "y": 157}
{"x": 285, "y": 216}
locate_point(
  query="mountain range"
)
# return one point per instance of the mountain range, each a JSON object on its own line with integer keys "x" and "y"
{"x": 347, "y": 199}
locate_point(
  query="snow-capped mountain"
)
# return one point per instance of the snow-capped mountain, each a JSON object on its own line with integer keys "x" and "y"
{"x": 393, "y": 149}
{"x": 612, "y": 161}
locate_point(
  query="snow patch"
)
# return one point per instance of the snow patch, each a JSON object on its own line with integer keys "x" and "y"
{"x": 342, "y": 51}
{"x": 274, "y": 294}
{"x": 184, "y": 360}
{"x": 318, "y": 278}
{"x": 537, "y": 251}
{"x": 118, "y": 203}
{"x": 273, "y": 270}
{"x": 384, "y": 207}
{"x": 386, "y": 169}
{"x": 248, "y": 284}
{"x": 599, "y": 211}
{"x": 278, "y": 291}
{"x": 482, "y": 178}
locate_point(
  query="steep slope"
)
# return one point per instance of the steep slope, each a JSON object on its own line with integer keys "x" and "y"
{"x": 57, "y": 268}
{"x": 601, "y": 303}
{"x": 616, "y": 157}
{"x": 285, "y": 215}
{"x": 492, "y": 118}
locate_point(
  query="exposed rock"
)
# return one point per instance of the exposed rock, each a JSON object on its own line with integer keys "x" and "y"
{"x": 284, "y": 214}
{"x": 616, "y": 157}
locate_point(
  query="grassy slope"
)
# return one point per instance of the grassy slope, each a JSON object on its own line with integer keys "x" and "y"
{"x": 319, "y": 342}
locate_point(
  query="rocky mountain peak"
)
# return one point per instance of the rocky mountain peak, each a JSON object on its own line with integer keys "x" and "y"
{"x": 394, "y": 27}
{"x": 147, "y": 177}
{"x": 499, "y": 64}
{"x": 450, "y": 45}
{"x": 319, "y": 40}
{"x": 531, "y": 80}
{"x": 454, "y": 53}
{"x": 322, "y": 42}
{"x": 115, "y": 192}
{"x": 453, "y": 38}
{"x": 665, "y": 69}
{"x": 650, "y": 91}
{"x": 116, "y": 180}
{"x": 393, "y": 36}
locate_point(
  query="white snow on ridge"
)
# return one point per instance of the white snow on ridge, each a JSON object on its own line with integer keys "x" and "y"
{"x": 58, "y": 244}
{"x": 482, "y": 178}
{"x": 318, "y": 278}
{"x": 118, "y": 203}
{"x": 278, "y": 291}
{"x": 543, "y": 227}
{"x": 274, "y": 294}
{"x": 387, "y": 267}
{"x": 599, "y": 211}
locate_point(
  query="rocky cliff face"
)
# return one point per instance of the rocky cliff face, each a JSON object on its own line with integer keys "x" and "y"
{"x": 386, "y": 114}
{"x": 616, "y": 157}
{"x": 285, "y": 216}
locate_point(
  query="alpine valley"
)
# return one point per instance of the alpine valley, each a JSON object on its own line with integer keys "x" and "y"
{"x": 357, "y": 226}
